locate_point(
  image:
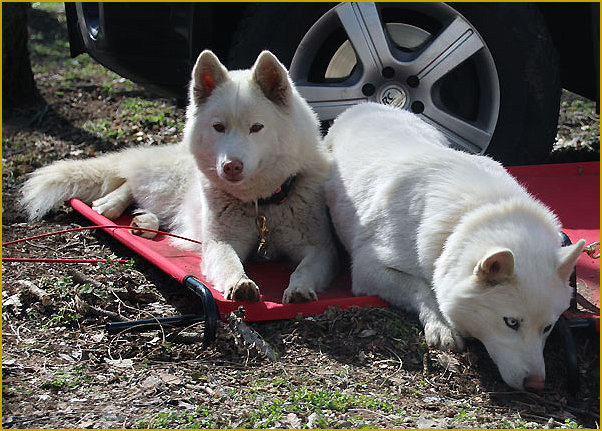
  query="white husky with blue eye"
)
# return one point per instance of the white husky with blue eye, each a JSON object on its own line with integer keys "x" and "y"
{"x": 449, "y": 235}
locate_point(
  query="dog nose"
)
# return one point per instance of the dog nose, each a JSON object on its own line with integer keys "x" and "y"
{"x": 534, "y": 383}
{"x": 233, "y": 169}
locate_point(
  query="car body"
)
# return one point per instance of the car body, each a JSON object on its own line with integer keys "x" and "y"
{"x": 489, "y": 75}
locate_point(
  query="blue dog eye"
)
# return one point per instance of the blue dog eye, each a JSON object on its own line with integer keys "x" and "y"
{"x": 512, "y": 323}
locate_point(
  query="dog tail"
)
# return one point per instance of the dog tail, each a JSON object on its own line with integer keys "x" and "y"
{"x": 48, "y": 187}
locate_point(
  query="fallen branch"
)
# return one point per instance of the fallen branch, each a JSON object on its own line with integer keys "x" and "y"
{"x": 89, "y": 310}
{"x": 129, "y": 294}
{"x": 81, "y": 278}
{"x": 184, "y": 337}
{"x": 34, "y": 291}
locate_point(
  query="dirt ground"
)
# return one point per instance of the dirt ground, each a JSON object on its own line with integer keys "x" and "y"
{"x": 342, "y": 369}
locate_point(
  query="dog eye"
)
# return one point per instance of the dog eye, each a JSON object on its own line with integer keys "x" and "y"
{"x": 547, "y": 329}
{"x": 256, "y": 128}
{"x": 512, "y": 323}
{"x": 219, "y": 127}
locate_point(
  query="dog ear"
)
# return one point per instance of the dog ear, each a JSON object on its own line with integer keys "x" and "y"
{"x": 272, "y": 78}
{"x": 567, "y": 257}
{"x": 496, "y": 267}
{"x": 207, "y": 74}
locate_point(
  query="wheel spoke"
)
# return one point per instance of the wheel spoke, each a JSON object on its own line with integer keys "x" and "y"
{"x": 362, "y": 24}
{"x": 329, "y": 101}
{"x": 453, "y": 46}
{"x": 456, "y": 43}
{"x": 462, "y": 133}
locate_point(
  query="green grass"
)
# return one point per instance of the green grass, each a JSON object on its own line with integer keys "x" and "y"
{"x": 133, "y": 117}
{"x": 53, "y": 7}
{"x": 194, "y": 419}
{"x": 304, "y": 402}
{"x": 64, "y": 316}
{"x": 63, "y": 291}
{"x": 62, "y": 287}
{"x": 572, "y": 424}
{"x": 267, "y": 415}
{"x": 9, "y": 391}
{"x": 112, "y": 267}
{"x": 149, "y": 114}
{"x": 464, "y": 416}
{"x": 579, "y": 105}
{"x": 104, "y": 128}
{"x": 515, "y": 421}
{"x": 67, "y": 380}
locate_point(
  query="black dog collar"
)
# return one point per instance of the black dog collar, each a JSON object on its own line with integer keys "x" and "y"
{"x": 280, "y": 195}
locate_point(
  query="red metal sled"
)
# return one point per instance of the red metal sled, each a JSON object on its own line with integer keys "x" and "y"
{"x": 572, "y": 190}
{"x": 271, "y": 276}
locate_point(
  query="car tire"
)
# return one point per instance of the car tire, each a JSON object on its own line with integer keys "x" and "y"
{"x": 515, "y": 100}
{"x": 528, "y": 68}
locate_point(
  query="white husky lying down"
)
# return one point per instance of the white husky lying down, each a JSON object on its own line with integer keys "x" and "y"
{"x": 450, "y": 235}
{"x": 247, "y": 133}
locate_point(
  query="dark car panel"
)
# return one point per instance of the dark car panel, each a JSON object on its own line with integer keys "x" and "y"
{"x": 155, "y": 44}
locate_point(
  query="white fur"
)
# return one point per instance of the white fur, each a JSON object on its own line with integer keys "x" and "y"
{"x": 184, "y": 187}
{"x": 449, "y": 235}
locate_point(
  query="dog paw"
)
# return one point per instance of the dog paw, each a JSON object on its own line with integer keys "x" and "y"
{"x": 299, "y": 294}
{"x": 441, "y": 336}
{"x": 245, "y": 290}
{"x": 107, "y": 207}
{"x": 145, "y": 221}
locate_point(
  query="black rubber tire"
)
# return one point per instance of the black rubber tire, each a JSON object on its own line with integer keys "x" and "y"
{"x": 528, "y": 69}
{"x": 515, "y": 34}
{"x": 278, "y": 27}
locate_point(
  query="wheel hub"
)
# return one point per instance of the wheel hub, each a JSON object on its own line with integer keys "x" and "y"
{"x": 393, "y": 95}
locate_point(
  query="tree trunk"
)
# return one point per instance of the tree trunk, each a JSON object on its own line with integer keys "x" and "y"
{"x": 18, "y": 85}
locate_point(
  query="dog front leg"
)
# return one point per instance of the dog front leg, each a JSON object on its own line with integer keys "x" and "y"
{"x": 113, "y": 204}
{"x": 437, "y": 332}
{"x": 370, "y": 276}
{"x": 313, "y": 274}
{"x": 223, "y": 267}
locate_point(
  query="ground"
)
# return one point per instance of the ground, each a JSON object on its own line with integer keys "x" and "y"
{"x": 342, "y": 369}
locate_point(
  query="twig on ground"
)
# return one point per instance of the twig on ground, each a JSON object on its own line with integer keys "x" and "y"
{"x": 34, "y": 291}
{"x": 184, "y": 337}
{"x": 81, "y": 278}
{"x": 86, "y": 309}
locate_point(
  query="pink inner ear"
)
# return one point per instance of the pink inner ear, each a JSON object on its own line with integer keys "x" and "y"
{"x": 496, "y": 267}
{"x": 271, "y": 76}
{"x": 208, "y": 81}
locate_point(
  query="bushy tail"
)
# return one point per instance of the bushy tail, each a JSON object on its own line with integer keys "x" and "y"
{"x": 87, "y": 180}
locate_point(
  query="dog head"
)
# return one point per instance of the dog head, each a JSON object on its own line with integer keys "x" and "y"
{"x": 510, "y": 301}
{"x": 249, "y": 130}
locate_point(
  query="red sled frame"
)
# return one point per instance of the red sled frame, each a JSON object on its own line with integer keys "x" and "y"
{"x": 560, "y": 186}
